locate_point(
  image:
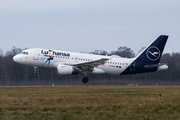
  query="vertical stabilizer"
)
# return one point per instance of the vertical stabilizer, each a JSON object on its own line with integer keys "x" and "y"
{"x": 153, "y": 52}
{"x": 151, "y": 55}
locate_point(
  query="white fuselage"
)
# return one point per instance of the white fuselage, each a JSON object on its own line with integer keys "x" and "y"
{"x": 39, "y": 57}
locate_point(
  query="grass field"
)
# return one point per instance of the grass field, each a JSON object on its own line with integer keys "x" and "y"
{"x": 89, "y": 102}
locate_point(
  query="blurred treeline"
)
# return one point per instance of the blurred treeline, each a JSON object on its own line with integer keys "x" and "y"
{"x": 12, "y": 73}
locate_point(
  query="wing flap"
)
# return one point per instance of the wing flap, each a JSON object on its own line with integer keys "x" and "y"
{"x": 90, "y": 64}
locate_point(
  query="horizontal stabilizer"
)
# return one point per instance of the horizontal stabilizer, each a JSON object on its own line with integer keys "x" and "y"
{"x": 156, "y": 65}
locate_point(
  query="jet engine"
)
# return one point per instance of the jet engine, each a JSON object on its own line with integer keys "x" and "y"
{"x": 64, "y": 70}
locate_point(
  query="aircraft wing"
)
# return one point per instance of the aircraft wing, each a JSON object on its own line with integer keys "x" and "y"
{"x": 90, "y": 64}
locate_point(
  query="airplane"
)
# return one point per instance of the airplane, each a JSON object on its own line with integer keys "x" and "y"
{"x": 71, "y": 63}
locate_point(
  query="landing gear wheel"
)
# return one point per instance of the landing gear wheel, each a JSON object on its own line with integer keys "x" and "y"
{"x": 35, "y": 71}
{"x": 85, "y": 80}
{"x": 34, "y": 74}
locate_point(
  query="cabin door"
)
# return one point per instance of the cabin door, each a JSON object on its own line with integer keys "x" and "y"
{"x": 132, "y": 66}
{"x": 36, "y": 54}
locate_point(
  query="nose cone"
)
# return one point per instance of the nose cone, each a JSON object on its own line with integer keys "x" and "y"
{"x": 16, "y": 58}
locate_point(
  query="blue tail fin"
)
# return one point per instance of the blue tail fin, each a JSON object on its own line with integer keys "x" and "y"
{"x": 151, "y": 55}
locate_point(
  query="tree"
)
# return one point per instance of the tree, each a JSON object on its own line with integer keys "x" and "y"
{"x": 12, "y": 73}
{"x": 124, "y": 52}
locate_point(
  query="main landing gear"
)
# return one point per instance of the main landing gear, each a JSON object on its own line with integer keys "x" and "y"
{"x": 35, "y": 71}
{"x": 85, "y": 79}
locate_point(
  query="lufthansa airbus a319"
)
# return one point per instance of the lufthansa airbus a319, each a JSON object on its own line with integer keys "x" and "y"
{"x": 69, "y": 63}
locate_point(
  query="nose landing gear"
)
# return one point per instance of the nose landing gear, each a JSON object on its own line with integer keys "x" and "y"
{"x": 35, "y": 71}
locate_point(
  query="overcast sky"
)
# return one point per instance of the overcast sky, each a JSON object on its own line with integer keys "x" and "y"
{"x": 88, "y": 25}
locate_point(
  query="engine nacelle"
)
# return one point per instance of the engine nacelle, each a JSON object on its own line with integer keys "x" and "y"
{"x": 64, "y": 70}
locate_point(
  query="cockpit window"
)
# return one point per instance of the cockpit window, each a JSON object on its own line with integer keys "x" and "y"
{"x": 25, "y": 53}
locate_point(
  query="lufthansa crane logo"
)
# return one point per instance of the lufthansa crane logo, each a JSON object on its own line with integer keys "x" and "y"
{"x": 153, "y": 53}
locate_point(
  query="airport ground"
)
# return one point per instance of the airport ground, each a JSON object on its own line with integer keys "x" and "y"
{"x": 89, "y": 102}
